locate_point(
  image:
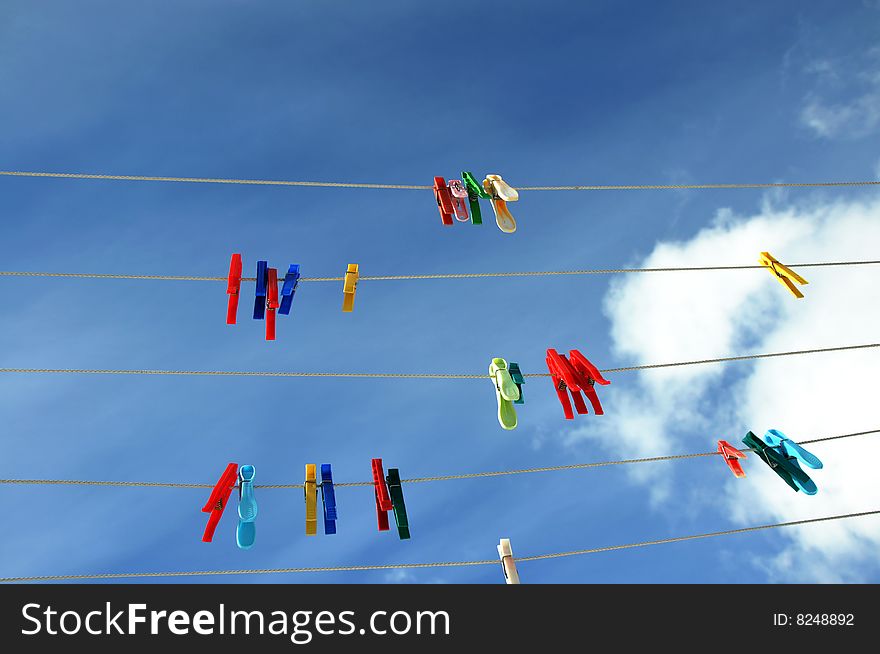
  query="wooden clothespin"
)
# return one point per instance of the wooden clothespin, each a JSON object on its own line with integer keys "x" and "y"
{"x": 246, "y": 533}
{"x": 233, "y": 287}
{"x": 508, "y": 565}
{"x": 310, "y": 488}
{"x": 731, "y": 458}
{"x": 271, "y": 302}
{"x": 501, "y": 193}
{"x": 349, "y": 287}
{"x": 218, "y": 500}
{"x": 786, "y": 276}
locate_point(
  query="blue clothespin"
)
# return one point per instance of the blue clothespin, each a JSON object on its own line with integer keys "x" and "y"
{"x": 518, "y": 379}
{"x": 262, "y": 287}
{"x": 291, "y": 279}
{"x": 328, "y": 499}
{"x": 246, "y": 533}
{"x": 786, "y": 446}
{"x": 782, "y": 464}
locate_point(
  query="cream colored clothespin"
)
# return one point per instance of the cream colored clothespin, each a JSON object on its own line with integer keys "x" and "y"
{"x": 349, "y": 287}
{"x": 501, "y": 193}
{"x": 783, "y": 273}
{"x": 508, "y": 565}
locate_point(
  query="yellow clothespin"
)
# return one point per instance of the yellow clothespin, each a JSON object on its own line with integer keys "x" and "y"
{"x": 783, "y": 273}
{"x": 349, "y": 287}
{"x": 311, "y": 491}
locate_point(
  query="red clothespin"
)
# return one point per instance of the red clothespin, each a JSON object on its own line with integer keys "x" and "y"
{"x": 589, "y": 377}
{"x": 575, "y": 376}
{"x": 444, "y": 200}
{"x": 216, "y": 503}
{"x": 233, "y": 285}
{"x": 731, "y": 458}
{"x": 271, "y": 303}
{"x": 383, "y": 499}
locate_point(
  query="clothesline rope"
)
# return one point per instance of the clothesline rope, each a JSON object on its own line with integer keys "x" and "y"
{"x": 415, "y": 480}
{"x": 402, "y": 375}
{"x": 425, "y": 187}
{"x": 376, "y": 278}
{"x": 439, "y": 564}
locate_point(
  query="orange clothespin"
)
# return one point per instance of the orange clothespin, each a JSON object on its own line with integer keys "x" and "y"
{"x": 349, "y": 287}
{"x": 731, "y": 458}
{"x": 784, "y": 274}
{"x": 311, "y": 491}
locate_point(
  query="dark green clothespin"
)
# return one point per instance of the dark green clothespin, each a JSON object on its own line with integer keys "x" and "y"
{"x": 396, "y": 492}
{"x": 475, "y": 191}
{"x": 783, "y": 466}
{"x": 518, "y": 379}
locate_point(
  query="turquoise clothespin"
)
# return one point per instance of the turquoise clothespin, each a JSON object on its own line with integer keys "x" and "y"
{"x": 775, "y": 438}
{"x": 247, "y": 508}
{"x": 783, "y": 465}
{"x": 518, "y": 379}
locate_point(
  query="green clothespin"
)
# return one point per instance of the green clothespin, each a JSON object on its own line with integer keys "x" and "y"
{"x": 396, "y": 492}
{"x": 475, "y": 191}
{"x": 518, "y": 379}
{"x": 783, "y": 466}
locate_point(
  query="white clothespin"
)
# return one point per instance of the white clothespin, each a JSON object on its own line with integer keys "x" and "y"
{"x": 508, "y": 565}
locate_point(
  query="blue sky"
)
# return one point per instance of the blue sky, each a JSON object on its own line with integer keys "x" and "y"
{"x": 397, "y": 92}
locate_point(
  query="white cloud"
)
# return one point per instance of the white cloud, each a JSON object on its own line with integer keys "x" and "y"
{"x": 854, "y": 119}
{"x": 659, "y": 317}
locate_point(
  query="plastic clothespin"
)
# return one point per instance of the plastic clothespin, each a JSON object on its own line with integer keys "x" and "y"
{"x": 506, "y": 392}
{"x": 518, "y": 379}
{"x": 271, "y": 302}
{"x": 328, "y": 499}
{"x": 246, "y": 533}
{"x": 291, "y": 280}
{"x": 786, "y": 467}
{"x": 262, "y": 288}
{"x": 396, "y": 492}
{"x": 788, "y": 447}
{"x": 233, "y": 286}
{"x": 508, "y": 565}
{"x": 218, "y": 500}
{"x": 383, "y": 499}
{"x": 731, "y": 458}
{"x": 475, "y": 191}
{"x": 444, "y": 200}
{"x": 786, "y": 276}
{"x": 349, "y": 287}
{"x": 459, "y": 196}
{"x": 575, "y": 376}
{"x": 501, "y": 194}
{"x": 310, "y": 488}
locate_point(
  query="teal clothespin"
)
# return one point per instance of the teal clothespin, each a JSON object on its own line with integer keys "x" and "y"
{"x": 396, "y": 492}
{"x": 518, "y": 379}
{"x": 475, "y": 191}
{"x": 784, "y": 466}
{"x": 246, "y": 533}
